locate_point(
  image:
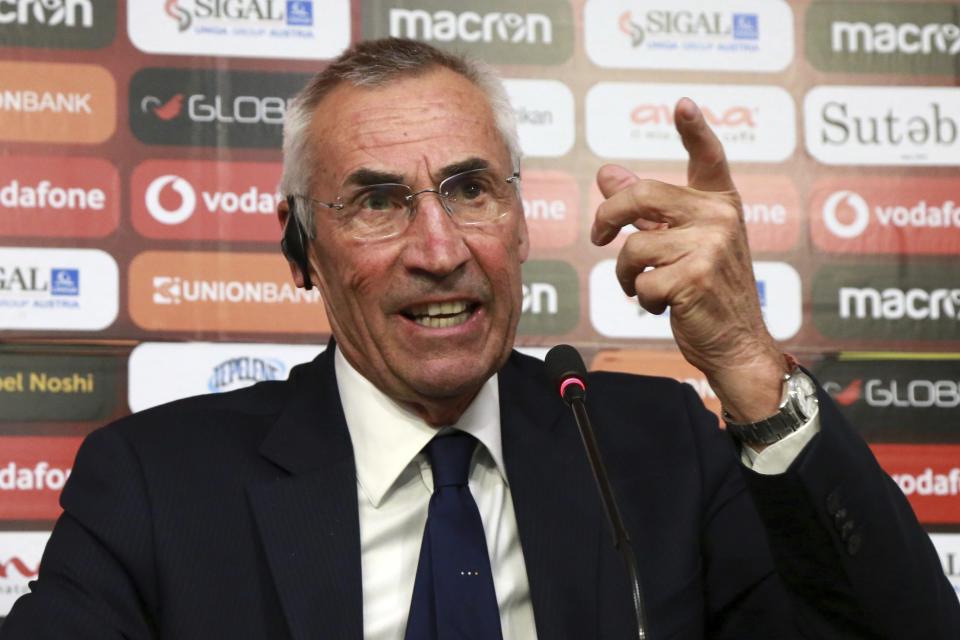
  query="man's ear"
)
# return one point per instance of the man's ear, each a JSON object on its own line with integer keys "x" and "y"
{"x": 296, "y": 268}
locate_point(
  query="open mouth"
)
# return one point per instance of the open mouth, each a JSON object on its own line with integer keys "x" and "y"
{"x": 441, "y": 315}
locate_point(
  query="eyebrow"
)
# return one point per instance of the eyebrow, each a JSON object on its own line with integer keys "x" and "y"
{"x": 368, "y": 177}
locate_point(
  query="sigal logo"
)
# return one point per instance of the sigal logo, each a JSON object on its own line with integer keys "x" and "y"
{"x": 883, "y": 125}
{"x": 20, "y": 553}
{"x": 193, "y": 368}
{"x": 209, "y": 108}
{"x": 545, "y": 116}
{"x": 33, "y": 470}
{"x": 551, "y": 205}
{"x": 249, "y": 28}
{"x": 206, "y": 200}
{"x": 614, "y": 315}
{"x": 57, "y": 289}
{"x": 904, "y": 302}
{"x": 59, "y": 24}
{"x": 58, "y": 196}
{"x": 215, "y": 291}
{"x": 732, "y": 35}
{"x": 894, "y": 37}
{"x": 627, "y": 120}
{"x": 43, "y": 102}
{"x": 877, "y": 215}
{"x": 539, "y": 33}
{"x": 551, "y": 298}
{"x": 651, "y": 362}
{"x": 715, "y": 25}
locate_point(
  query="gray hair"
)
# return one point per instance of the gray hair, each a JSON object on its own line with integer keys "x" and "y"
{"x": 375, "y": 63}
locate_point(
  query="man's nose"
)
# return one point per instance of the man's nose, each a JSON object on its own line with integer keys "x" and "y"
{"x": 434, "y": 242}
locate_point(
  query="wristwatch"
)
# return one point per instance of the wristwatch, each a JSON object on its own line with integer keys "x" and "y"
{"x": 798, "y": 403}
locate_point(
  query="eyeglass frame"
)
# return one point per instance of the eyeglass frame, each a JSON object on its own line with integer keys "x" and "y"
{"x": 338, "y": 204}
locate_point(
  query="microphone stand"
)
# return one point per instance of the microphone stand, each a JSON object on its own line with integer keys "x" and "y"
{"x": 621, "y": 539}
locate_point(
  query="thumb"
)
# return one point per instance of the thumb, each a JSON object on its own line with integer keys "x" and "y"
{"x": 612, "y": 178}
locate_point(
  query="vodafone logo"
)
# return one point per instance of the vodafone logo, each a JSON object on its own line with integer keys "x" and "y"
{"x": 160, "y": 213}
{"x": 836, "y": 210}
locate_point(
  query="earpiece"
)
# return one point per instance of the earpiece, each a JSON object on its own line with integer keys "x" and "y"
{"x": 294, "y": 243}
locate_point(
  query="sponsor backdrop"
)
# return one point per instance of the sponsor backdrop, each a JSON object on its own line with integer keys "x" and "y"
{"x": 139, "y": 160}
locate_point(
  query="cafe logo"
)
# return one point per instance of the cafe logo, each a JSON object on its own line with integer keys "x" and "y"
{"x": 211, "y": 108}
{"x": 883, "y": 125}
{"x": 539, "y": 33}
{"x": 894, "y": 37}
{"x": 57, "y": 24}
{"x": 20, "y": 553}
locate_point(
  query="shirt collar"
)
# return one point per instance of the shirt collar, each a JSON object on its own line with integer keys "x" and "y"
{"x": 386, "y": 436}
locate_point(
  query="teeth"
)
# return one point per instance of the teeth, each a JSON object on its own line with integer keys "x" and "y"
{"x": 442, "y": 322}
{"x": 450, "y": 308}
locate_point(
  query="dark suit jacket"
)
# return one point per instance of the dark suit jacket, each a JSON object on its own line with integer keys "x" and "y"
{"x": 235, "y": 516}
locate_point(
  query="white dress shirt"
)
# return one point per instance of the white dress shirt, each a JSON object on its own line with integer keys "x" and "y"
{"x": 394, "y": 484}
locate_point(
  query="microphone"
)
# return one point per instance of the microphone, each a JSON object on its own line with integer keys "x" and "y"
{"x": 567, "y": 371}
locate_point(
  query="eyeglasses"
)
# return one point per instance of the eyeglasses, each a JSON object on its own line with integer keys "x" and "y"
{"x": 382, "y": 211}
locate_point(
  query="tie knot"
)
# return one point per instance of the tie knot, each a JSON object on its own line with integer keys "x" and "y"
{"x": 450, "y": 459}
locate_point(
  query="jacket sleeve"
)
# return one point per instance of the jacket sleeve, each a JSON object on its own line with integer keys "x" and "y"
{"x": 97, "y": 576}
{"x": 846, "y": 544}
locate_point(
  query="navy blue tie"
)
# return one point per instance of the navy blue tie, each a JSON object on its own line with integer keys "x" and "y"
{"x": 453, "y": 596}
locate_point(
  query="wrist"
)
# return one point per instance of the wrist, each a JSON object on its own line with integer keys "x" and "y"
{"x": 752, "y": 391}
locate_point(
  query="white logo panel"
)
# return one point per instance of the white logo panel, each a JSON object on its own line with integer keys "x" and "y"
{"x": 162, "y": 372}
{"x": 53, "y": 289}
{"x": 635, "y": 121}
{"x": 901, "y": 126}
{"x": 614, "y": 315}
{"x": 306, "y": 29}
{"x": 20, "y": 553}
{"x": 948, "y": 548}
{"x": 724, "y": 35}
{"x": 545, "y": 116}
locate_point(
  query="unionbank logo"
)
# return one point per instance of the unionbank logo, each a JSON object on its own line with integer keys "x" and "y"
{"x": 904, "y": 399}
{"x": 883, "y": 125}
{"x": 33, "y": 470}
{"x": 58, "y": 196}
{"x": 877, "y": 215}
{"x": 41, "y": 102}
{"x": 215, "y": 291}
{"x": 539, "y": 32}
{"x": 545, "y": 116}
{"x": 205, "y": 200}
{"x": 20, "y": 553}
{"x": 630, "y": 120}
{"x": 551, "y": 205}
{"x": 211, "y": 108}
{"x": 728, "y": 35}
{"x": 929, "y": 477}
{"x": 889, "y": 38}
{"x": 58, "y": 24}
{"x": 57, "y": 289}
{"x": 163, "y": 371}
{"x": 614, "y": 315}
{"x": 649, "y": 362}
{"x": 305, "y": 29}
{"x": 551, "y": 298}
{"x": 904, "y": 302}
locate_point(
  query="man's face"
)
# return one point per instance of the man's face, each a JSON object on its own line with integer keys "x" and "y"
{"x": 385, "y": 298}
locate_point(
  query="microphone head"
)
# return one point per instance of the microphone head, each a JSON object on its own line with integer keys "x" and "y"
{"x": 567, "y": 371}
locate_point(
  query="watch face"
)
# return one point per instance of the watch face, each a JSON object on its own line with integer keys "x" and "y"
{"x": 805, "y": 394}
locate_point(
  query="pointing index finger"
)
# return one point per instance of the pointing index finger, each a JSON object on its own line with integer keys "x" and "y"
{"x": 707, "y": 169}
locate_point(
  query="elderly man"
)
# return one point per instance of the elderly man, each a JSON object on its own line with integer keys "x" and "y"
{"x": 421, "y": 480}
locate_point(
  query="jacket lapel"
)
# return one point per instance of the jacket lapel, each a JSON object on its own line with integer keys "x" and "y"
{"x": 558, "y": 512}
{"x": 307, "y": 515}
